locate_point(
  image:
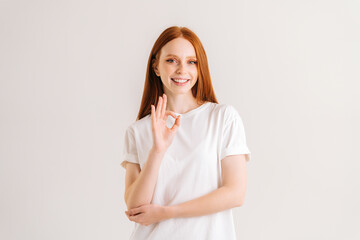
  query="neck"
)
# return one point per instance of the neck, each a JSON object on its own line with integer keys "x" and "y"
{"x": 181, "y": 103}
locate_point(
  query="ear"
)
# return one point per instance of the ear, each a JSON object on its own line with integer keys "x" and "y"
{"x": 154, "y": 65}
{"x": 156, "y": 72}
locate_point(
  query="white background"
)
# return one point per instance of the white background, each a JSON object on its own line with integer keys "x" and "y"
{"x": 71, "y": 81}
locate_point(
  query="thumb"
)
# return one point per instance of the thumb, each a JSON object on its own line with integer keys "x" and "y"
{"x": 177, "y": 124}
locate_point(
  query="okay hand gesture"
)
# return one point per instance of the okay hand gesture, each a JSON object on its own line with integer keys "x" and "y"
{"x": 162, "y": 135}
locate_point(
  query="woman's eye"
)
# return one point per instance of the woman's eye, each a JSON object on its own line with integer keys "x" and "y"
{"x": 172, "y": 60}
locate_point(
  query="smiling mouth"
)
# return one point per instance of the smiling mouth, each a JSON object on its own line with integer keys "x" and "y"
{"x": 180, "y": 80}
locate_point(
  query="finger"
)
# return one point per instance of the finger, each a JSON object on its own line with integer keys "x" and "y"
{"x": 164, "y": 107}
{"x": 134, "y": 218}
{"x": 135, "y": 211}
{"x": 153, "y": 117}
{"x": 161, "y": 108}
{"x": 158, "y": 108}
{"x": 170, "y": 113}
{"x": 176, "y": 125}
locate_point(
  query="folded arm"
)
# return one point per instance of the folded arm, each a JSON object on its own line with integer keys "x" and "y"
{"x": 230, "y": 195}
{"x": 141, "y": 190}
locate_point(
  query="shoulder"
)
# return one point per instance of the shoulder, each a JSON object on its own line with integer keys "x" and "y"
{"x": 140, "y": 124}
{"x": 226, "y": 111}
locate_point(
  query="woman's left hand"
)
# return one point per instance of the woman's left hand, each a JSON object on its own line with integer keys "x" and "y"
{"x": 148, "y": 214}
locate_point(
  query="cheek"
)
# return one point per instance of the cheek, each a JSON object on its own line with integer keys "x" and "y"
{"x": 167, "y": 68}
{"x": 194, "y": 72}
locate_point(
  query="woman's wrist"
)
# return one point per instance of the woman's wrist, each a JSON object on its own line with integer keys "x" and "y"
{"x": 158, "y": 151}
{"x": 170, "y": 211}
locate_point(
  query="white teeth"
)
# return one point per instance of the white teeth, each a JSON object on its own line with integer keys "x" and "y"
{"x": 180, "y": 80}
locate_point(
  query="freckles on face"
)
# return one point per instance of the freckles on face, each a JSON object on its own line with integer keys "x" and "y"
{"x": 178, "y": 63}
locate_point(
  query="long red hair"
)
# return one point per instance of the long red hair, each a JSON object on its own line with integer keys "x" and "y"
{"x": 153, "y": 87}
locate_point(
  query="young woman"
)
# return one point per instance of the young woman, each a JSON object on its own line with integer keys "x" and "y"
{"x": 185, "y": 159}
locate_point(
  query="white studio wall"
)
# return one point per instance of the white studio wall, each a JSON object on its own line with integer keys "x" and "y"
{"x": 71, "y": 79}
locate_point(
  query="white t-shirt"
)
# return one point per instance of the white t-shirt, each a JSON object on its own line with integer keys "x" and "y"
{"x": 190, "y": 168}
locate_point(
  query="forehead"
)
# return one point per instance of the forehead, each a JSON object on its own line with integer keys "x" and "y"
{"x": 179, "y": 47}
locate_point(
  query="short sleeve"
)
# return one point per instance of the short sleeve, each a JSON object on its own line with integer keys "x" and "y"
{"x": 129, "y": 153}
{"x": 233, "y": 140}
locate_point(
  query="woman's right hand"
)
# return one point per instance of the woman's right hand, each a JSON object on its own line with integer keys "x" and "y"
{"x": 162, "y": 135}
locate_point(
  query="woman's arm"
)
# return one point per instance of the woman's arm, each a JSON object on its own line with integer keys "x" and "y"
{"x": 221, "y": 199}
{"x": 142, "y": 189}
{"x": 230, "y": 195}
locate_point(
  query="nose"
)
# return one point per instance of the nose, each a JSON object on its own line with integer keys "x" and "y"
{"x": 180, "y": 68}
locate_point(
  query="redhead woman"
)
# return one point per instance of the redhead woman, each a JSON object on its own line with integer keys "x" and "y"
{"x": 185, "y": 155}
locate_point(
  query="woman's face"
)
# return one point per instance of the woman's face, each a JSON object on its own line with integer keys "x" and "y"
{"x": 177, "y": 62}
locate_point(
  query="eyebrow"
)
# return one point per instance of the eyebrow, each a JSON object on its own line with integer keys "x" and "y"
{"x": 173, "y": 55}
